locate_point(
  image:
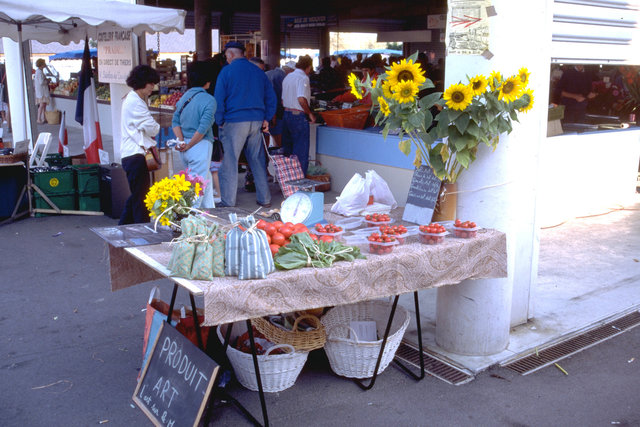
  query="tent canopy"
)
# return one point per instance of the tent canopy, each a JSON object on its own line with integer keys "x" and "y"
{"x": 367, "y": 52}
{"x": 70, "y": 21}
{"x": 73, "y": 54}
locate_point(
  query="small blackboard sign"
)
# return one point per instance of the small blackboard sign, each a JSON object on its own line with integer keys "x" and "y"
{"x": 423, "y": 194}
{"x": 176, "y": 383}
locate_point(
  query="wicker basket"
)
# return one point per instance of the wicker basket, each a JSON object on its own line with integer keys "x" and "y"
{"x": 277, "y": 371}
{"x": 53, "y": 117}
{"x": 300, "y": 340}
{"x": 353, "y": 118}
{"x": 325, "y": 179}
{"x": 357, "y": 359}
{"x": 14, "y": 158}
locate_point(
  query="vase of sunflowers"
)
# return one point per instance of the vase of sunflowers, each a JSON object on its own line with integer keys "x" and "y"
{"x": 445, "y": 129}
{"x": 171, "y": 199}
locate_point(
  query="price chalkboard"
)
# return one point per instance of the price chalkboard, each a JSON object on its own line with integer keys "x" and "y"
{"x": 176, "y": 383}
{"x": 423, "y": 194}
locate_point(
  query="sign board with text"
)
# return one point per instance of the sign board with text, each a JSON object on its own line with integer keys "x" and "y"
{"x": 115, "y": 55}
{"x": 423, "y": 194}
{"x": 176, "y": 383}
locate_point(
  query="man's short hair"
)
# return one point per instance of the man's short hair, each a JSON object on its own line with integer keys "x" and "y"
{"x": 304, "y": 62}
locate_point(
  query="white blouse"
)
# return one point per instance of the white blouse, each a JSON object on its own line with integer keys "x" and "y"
{"x": 138, "y": 126}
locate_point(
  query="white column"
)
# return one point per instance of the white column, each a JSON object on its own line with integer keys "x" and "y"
{"x": 117, "y": 91}
{"x": 474, "y": 317}
{"x": 16, "y": 90}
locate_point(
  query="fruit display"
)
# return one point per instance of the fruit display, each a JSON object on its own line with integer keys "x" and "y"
{"x": 165, "y": 100}
{"x": 67, "y": 88}
{"x": 378, "y": 219}
{"x": 432, "y": 234}
{"x": 381, "y": 244}
{"x": 466, "y": 229}
{"x": 279, "y": 233}
{"x": 103, "y": 92}
{"x": 399, "y": 231}
{"x": 329, "y": 232}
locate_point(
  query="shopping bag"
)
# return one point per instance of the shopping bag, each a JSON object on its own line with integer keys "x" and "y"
{"x": 287, "y": 169}
{"x": 379, "y": 189}
{"x": 354, "y": 197}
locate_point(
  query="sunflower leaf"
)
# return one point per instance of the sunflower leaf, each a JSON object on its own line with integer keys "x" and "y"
{"x": 428, "y": 84}
{"x": 405, "y": 146}
{"x": 385, "y": 131}
{"x": 462, "y": 122}
{"x": 463, "y": 157}
{"x": 453, "y": 114}
{"x": 430, "y": 100}
{"x": 428, "y": 119}
{"x": 416, "y": 119}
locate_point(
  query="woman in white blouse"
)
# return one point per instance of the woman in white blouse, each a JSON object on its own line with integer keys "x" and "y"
{"x": 138, "y": 129}
{"x": 41, "y": 86}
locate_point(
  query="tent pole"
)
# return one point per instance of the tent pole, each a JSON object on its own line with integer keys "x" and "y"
{"x": 25, "y": 51}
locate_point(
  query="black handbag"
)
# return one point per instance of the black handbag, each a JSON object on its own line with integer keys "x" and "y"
{"x": 218, "y": 150}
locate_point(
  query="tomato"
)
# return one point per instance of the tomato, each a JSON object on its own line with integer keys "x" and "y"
{"x": 268, "y": 239}
{"x": 278, "y": 238}
{"x": 270, "y": 229}
{"x": 274, "y": 249}
{"x": 299, "y": 228}
{"x": 286, "y": 231}
{"x": 289, "y": 224}
{"x": 277, "y": 224}
{"x": 261, "y": 224}
{"x": 326, "y": 238}
{"x": 313, "y": 236}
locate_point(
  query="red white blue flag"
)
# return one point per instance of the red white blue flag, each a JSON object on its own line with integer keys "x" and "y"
{"x": 87, "y": 109}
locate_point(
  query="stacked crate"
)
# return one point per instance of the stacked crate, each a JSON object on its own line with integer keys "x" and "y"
{"x": 88, "y": 187}
{"x": 59, "y": 187}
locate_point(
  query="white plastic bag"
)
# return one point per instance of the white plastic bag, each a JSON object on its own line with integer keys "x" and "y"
{"x": 379, "y": 189}
{"x": 354, "y": 197}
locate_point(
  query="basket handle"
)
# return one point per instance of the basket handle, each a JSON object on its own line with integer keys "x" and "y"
{"x": 277, "y": 346}
{"x": 305, "y": 316}
{"x": 343, "y": 326}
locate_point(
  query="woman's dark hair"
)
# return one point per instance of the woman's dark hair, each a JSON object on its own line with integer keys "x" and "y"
{"x": 199, "y": 73}
{"x": 141, "y": 75}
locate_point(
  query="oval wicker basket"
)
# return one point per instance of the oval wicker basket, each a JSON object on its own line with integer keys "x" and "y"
{"x": 325, "y": 179}
{"x": 277, "y": 371}
{"x": 357, "y": 359}
{"x": 300, "y": 340}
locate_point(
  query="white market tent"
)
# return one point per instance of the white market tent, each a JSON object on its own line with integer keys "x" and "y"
{"x": 65, "y": 22}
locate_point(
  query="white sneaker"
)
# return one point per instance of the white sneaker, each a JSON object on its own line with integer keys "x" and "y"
{"x": 217, "y": 200}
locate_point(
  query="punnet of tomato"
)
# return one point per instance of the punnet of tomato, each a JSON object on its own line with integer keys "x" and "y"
{"x": 432, "y": 234}
{"x": 381, "y": 243}
{"x": 399, "y": 231}
{"x": 329, "y": 232}
{"x": 376, "y": 219}
{"x": 465, "y": 229}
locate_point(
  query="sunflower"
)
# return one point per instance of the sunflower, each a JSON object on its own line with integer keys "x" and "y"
{"x": 478, "y": 84}
{"x": 386, "y": 90}
{"x": 384, "y": 107}
{"x": 404, "y": 71}
{"x": 405, "y": 91}
{"x": 528, "y": 93}
{"x": 524, "y": 74}
{"x": 353, "y": 82}
{"x": 495, "y": 79}
{"x": 510, "y": 89}
{"x": 458, "y": 96}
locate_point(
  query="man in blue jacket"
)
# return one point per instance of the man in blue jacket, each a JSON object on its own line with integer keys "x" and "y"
{"x": 246, "y": 103}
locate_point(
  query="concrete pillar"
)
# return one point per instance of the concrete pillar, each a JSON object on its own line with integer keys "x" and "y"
{"x": 325, "y": 48}
{"x": 499, "y": 189}
{"x": 202, "y": 13}
{"x": 118, "y": 92}
{"x": 270, "y": 31}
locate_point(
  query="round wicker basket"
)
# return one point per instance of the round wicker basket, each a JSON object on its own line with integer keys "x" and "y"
{"x": 353, "y": 358}
{"x": 300, "y": 340}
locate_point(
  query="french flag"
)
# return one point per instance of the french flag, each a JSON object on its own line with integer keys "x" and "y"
{"x": 63, "y": 137}
{"x": 87, "y": 109}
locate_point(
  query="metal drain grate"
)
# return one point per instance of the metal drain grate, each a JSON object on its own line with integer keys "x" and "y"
{"x": 439, "y": 369}
{"x": 574, "y": 345}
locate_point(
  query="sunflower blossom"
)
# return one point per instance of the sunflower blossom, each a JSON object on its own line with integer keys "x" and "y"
{"x": 405, "y": 91}
{"x": 510, "y": 89}
{"x": 529, "y": 106}
{"x": 524, "y": 74}
{"x": 384, "y": 107}
{"x": 353, "y": 82}
{"x": 495, "y": 79}
{"x": 478, "y": 84}
{"x": 458, "y": 96}
{"x": 386, "y": 90}
{"x": 406, "y": 71}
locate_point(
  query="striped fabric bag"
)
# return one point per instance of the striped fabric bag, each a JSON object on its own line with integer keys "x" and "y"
{"x": 247, "y": 250}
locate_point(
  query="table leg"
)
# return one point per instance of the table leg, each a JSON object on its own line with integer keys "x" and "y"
{"x": 419, "y": 326}
{"x": 384, "y": 343}
{"x": 257, "y": 369}
{"x": 172, "y": 303}
{"x": 196, "y": 322}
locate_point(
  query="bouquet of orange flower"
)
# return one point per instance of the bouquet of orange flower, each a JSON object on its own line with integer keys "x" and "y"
{"x": 467, "y": 114}
{"x": 170, "y": 198}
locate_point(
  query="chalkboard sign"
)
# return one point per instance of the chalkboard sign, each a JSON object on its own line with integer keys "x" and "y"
{"x": 423, "y": 194}
{"x": 176, "y": 383}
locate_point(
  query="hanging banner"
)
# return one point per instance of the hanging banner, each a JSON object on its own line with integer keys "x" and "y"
{"x": 468, "y": 27}
{"x": 115, "y": 55}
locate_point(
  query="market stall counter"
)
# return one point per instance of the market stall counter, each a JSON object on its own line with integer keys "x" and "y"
{"x": 409, "y": 268}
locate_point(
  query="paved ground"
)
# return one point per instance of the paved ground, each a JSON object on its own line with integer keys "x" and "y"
{"x": 71, "y": 350}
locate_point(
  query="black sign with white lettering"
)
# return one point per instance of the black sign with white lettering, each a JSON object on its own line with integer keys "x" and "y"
{"x": 176, "y": 383}
{"x": 423, "y": 194}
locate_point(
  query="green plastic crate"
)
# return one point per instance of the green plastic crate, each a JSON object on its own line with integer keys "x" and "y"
{"x": 56, "y": 160}
{"x": 58, "y": 181}
{"x": 89, "y": 202}
{"x": 87, "y": 178}
{"x": 65, "y": 201}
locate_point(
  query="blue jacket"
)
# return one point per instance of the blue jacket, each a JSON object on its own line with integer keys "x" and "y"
{"x": 198, "y": 115}
{"x": 244, "y": 94}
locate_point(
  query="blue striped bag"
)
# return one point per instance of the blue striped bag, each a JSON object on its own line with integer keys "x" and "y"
{"x": 247, "y": 251}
